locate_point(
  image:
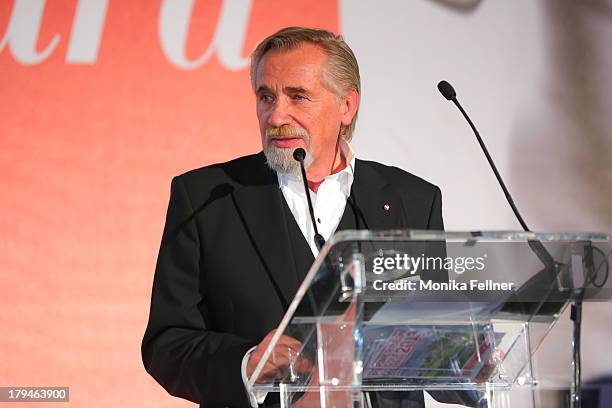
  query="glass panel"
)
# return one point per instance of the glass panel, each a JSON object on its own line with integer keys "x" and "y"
{"x": 408, "y": 310}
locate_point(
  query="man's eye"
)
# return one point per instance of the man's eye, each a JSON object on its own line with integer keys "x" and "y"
{"x": 299, "y": 97}
{"x": 266, "y": 98}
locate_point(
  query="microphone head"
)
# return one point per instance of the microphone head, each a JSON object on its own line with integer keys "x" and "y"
{"x": 447, "y": 90}
{"x": 299, "y": 154}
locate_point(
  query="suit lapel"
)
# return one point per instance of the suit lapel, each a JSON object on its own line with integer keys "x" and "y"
{"x": 373, "y": 204}
{"x": 302, "y": 254}
{"x": 376, "y": 205}
{"x": 260, "y": 207}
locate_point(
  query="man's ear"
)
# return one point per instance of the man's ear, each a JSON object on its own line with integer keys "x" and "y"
{"x": 348, "y": 107}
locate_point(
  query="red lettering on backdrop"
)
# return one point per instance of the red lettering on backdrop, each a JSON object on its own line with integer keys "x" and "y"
{"x": 99, "y": 106}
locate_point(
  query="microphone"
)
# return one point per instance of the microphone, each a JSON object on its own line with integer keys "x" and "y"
{"x": 541, "y": 252}
{"x": 447, "y": 90}
{"x": 545, "y": 278}
{"x": 299, "y": 155}
{"x": 449, "y": 93}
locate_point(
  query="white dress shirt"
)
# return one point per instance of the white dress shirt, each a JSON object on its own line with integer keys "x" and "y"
{"x": 328, "y": 204}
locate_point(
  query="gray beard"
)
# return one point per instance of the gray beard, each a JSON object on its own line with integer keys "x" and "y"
{"x": 281, "y": 160}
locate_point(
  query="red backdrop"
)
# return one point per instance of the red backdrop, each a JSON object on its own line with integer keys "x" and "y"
{"x": 88, "y": 151}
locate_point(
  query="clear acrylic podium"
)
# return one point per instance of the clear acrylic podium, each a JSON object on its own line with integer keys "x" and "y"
{"x": 457, "y": 314}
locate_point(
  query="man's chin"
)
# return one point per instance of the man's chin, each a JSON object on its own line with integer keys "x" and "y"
{"x": 280, "y": 159}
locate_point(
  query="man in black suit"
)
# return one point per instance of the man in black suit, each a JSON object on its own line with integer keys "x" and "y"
{"x": 237, "y": 240}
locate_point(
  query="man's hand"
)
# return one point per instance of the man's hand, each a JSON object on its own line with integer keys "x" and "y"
{"x": 285, "y": 358}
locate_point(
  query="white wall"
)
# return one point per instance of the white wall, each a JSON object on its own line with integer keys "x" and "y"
{"x": 535, "y": 77}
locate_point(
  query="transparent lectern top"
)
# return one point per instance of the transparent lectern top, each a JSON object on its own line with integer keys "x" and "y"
{"x": 406, "y": 310}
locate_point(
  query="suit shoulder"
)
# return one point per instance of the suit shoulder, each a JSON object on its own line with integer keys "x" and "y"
{"x": 222, "y": 167}
{"x": 225, "y": 172}
{"x": 400, "y": 178}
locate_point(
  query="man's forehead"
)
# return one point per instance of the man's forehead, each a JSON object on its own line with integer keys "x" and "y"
{"x": 302, "y": 63}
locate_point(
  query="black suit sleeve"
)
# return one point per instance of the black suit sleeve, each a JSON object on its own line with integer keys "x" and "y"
{"x": 178, "y": 349}
{"x": 435, "y": 221}
{"x": 467, "y": 398}
{"x": 436, "y": 249}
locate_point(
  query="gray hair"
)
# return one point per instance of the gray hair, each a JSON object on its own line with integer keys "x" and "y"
{"x": 342, "y": 73}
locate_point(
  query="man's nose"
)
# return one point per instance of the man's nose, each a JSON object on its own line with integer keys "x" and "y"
{"x": 280, "y": 114}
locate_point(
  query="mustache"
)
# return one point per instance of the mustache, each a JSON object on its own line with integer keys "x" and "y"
{"x": 286, "y": 131}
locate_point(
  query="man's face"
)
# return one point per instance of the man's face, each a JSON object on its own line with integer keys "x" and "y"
{"x": 295, "y": 108}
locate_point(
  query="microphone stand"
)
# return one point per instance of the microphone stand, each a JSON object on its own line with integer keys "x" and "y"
{"x": 449, "y": 93}
{"x": 299, "y": 155}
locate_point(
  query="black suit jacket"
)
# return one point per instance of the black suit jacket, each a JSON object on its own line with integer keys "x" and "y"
{"x": 225, "y": 273}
